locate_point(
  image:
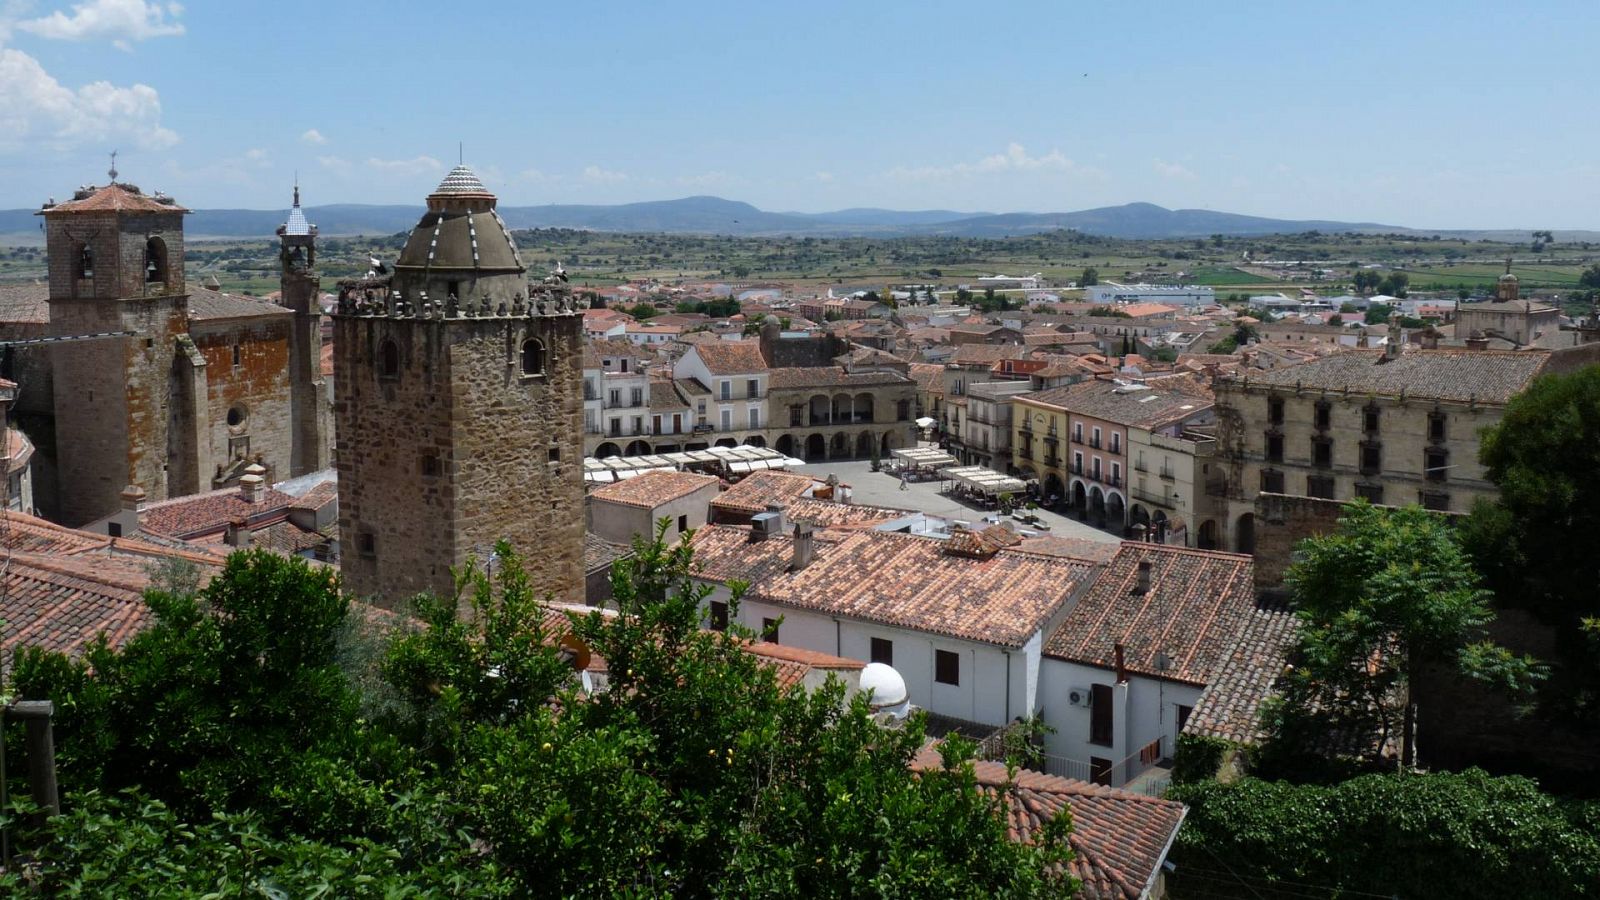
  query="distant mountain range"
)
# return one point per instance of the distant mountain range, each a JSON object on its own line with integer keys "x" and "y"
{"x": 714, "y": 215}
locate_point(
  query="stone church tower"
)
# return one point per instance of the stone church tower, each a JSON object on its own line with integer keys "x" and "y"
{"x": 124, "y": 406}
{"x": 301, "y": 290}
{"x": 459, "y": 409}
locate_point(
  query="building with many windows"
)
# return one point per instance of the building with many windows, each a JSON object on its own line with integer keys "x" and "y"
{"x": 1389, "y": 426}
{"x": 1076, "y": 439}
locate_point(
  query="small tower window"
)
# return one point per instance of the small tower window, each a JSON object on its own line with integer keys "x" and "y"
{"x": 389, "y": 360}
{"x": 532, "y": 357}
{"x": 85, "y": 261}
{"x": 155, "y": 261}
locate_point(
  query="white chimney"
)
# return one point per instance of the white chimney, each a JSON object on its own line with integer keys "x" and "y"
{"x": 252, "y": 484}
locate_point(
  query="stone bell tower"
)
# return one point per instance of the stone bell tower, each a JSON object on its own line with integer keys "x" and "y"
{"x": 122, "y": 409}
{"x": 300, "y": 290}
{"x": 459, "y": 409}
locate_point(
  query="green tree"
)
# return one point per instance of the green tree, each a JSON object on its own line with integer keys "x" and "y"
{"x": 483, "y": 767}
{"x": 1378, "y": 313}
{"x": 1389, "y": 591}
{"x": 1534, "y": 543}
{"x": 641, "y": 311}
{"x": 1590, "y": 277}
{"x": 1394, "y": 284}
{"x": 1365, "y": 280}
{"x": 1089, "y": 278}
{"x": 1461, "y": 835}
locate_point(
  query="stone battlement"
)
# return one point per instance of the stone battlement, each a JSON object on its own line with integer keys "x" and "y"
{"x": 374, "y": 298}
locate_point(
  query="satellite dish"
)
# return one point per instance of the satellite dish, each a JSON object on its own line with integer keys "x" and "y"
{"x": 574, "y": 652}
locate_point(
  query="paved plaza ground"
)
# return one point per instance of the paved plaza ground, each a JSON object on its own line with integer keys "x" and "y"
{"x": 883, "y": 489}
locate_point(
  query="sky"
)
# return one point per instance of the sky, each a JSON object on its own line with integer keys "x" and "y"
{"x": 1422, "y": 113}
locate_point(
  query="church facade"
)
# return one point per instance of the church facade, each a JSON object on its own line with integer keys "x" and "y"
{"x": 133, "y": 377}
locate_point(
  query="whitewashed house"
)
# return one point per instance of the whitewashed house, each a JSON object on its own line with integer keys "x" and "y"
{"x": 961, "y": 619}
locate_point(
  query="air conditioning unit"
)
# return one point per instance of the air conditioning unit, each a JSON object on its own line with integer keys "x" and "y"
{"x": 767, "y": 523}
{"x": 1080, "y": 696}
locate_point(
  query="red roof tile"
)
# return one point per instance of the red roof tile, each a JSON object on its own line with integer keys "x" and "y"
{"x": 752, "y": 494}
{"x": 731, "y": 357}
{"x": 114, "y": 197}
{"x": 1197, "y": 603}
{"x": 201, "y": 514}
{"x": 1119, "y": 838}
{"x": 652, "y": 489}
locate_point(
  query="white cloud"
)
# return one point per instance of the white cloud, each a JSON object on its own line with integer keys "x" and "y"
{"x": 38, "y": 108}
{"x": 419, "y": 165}
{"x": 597, "y": 175}
{"x": 119, "y": 21}
{"x": 334, "y": 163}
{"x": 1172, "y": 170}
{"x": 1014, "y": 159}
{"x": 824, "y": 177}
{"x": 258, "y": 158}
{"x": 313, "y": 136}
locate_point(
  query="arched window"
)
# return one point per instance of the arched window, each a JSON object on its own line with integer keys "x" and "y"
{"x": 155, "y": 261}
{"x": 85, "y": 261}
{"x": 532, "y": 357}
{"x": 389, "y": 360}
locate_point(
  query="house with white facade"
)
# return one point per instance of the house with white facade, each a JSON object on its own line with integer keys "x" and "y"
{"x": 734, "y": 374}
{"x": 961, "y": 619}
{"x": 1126, "y": 666}
{"x": 1172, "y": 294}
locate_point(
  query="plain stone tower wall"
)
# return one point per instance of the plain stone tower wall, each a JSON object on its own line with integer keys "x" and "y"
{"x": 459, "y": 409}
{"x": 445, "y": 447}
{"x": 114, "y": 403}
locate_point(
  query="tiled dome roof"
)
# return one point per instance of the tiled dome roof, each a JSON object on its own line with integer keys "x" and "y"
{"x": 461, "y": 180}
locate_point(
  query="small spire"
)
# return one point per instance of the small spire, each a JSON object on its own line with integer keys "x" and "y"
{"x": 113, "y": 171}
{"x": 297, "y": 188}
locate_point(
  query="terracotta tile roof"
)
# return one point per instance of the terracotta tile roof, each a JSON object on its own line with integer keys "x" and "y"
{"x": 618, "y": 347}
{"x": 760, "y": 488}
{"x": 663, "y": 396}
{"x": 912, "y": 582}
{"x": 724, "y": 553}
{"x": 791, "y": 665}
{"x": 24, "y": 304}
{"x": 652, "y": 489}
{"x": 929, "y": 377}
{"x": 830, "y": 514}
{"x": 979, "y": 328}
{"x": 1163, "y": 400}
{"x": 114, "y": 197}
{"x": 1230, "y": 706}
{"x": 1119, "y": 838}
{"x": 1489, "y": 376}
{"x": 324, "y": 493}
{"x": 53, "y": 604}
{"x": 1070, "y": 548}
{"x": 208, "y": 305}
{"x": 200, "y": 514}
{"x": 599, "y": 553}
{"x": 691, "y": 387}
{"x": 830, "y": 376}
{"x": 731, "y": 357}
{"x": 1140, "y": 310}
{"x": 986, "y": 354}
{"x": 1198, "y": 602}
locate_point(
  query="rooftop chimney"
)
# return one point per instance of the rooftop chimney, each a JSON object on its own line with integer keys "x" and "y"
{"x": 126, "y": 520}
{"x": 238, "y": 534}
{"x": 1477, "y": 341}
{"x": 1122, "y": 668}
{"x": 777, "y": 511}
{"x": 252, "y": 484}
{"x": 805, "y": 546}
{"x": 1391, "y": 349}
{"x": 1141, "y": 584}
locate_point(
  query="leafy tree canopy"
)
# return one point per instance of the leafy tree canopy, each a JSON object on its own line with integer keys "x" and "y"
{"x": 261, "y": 738}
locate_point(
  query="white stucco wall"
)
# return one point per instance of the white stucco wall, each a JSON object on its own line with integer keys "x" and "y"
{"x": 1144, "y": 710}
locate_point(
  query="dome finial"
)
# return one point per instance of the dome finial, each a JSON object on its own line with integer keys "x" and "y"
{"x": 113, "y": 171}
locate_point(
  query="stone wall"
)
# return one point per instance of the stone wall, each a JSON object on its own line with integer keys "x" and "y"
{"x": 458, "y": 451}
{"x": 254, "y": 395}
{"x": 1281, "y": 522}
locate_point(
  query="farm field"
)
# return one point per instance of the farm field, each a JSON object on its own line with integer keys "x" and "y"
{"x": 1254, "y": 264}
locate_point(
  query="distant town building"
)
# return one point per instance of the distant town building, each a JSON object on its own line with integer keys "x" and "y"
{"x": 1180, "y": 295}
